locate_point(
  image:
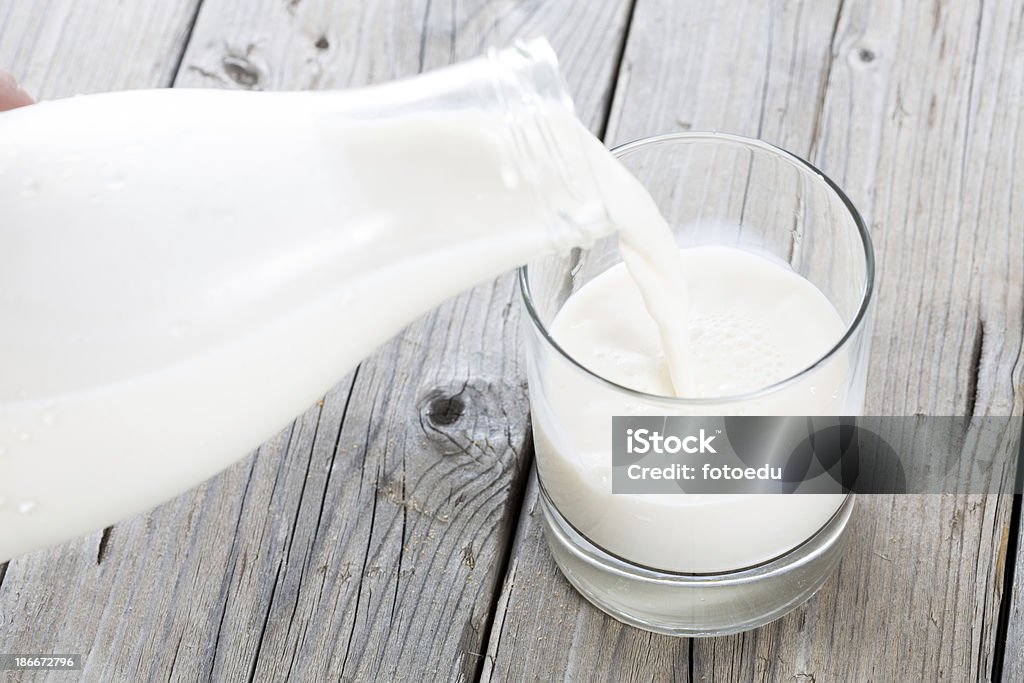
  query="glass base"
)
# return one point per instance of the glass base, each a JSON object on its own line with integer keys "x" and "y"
{"x": 695, "y": 605}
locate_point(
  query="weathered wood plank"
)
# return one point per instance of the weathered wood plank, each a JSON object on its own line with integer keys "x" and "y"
{"x": 367, "y": 540}
{"x": 920, "y": 124}
{"x": 59, "y": 48}
{"x": 1008, "y": 147}
{"x": 913, "y": 108}
{"x": 1013, "y": 645}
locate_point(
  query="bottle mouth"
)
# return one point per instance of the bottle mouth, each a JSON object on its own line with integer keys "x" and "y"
{"x": 547, "y": 142}
{"x": 855, "y": 324}
{"x": 530, "y": 68}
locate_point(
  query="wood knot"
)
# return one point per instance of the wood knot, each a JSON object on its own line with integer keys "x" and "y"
{"x": 322, "y": 43}
{"x": 865, "y": 55}
{"x": 484, "y": 418}
{"x": 443, "y": 411}
{"x": 242, "y": 71}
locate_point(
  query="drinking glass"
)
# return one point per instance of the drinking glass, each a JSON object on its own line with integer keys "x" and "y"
{"x": 709, "y": 564}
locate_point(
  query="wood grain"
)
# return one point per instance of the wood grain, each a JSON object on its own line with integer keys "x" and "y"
{"x": 365, "y": 542}
{"x": 914, "y": 109}
{"x": 58, "y": 48}
{"x": 920, "y": 124}
{"x": 1013, "y": 645}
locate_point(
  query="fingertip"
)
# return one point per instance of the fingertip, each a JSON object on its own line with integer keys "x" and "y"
{"x": 11, "y": 94}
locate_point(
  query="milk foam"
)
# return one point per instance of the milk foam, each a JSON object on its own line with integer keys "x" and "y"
{"x": 749, "y": 323}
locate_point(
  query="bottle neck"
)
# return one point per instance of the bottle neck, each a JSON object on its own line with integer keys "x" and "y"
{"x": 547, "y": 155}
{"x": 552, "y": 151}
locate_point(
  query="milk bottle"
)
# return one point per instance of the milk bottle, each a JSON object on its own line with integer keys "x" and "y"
{"x": 184, "y": 271}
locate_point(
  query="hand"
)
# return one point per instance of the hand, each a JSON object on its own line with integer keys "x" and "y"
{"x": 11, "y": 96}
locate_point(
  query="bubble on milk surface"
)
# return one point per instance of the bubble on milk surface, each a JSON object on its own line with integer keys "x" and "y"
{"x": 730, "y": 340}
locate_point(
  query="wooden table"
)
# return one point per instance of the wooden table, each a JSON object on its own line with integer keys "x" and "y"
{"x": 391, "y": 532}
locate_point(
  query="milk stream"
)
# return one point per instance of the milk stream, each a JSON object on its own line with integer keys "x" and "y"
{"x": 649, "y": 254}
{"x": 182, "y": 272}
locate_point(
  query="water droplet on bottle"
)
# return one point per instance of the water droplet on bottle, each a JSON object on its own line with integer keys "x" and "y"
{"x": 25, "y": 436}
{"x": 27, "y": 506}
{"x": 3, "y": 451}
{"x": 509, "y": 177}
{"x": 115, "y": 183}
{"x": 49, "y": 418}
{"x": 3, "y": 502}
{"x": 133, "y": 149}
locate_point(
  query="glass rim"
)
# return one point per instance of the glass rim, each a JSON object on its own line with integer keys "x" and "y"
{"x": 803, "y": 164}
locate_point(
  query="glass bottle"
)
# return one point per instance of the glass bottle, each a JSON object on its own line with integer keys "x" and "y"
{"x": 184, "y": 271}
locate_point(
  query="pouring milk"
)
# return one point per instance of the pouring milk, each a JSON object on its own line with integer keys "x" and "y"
{"x": 182, "y": 272}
